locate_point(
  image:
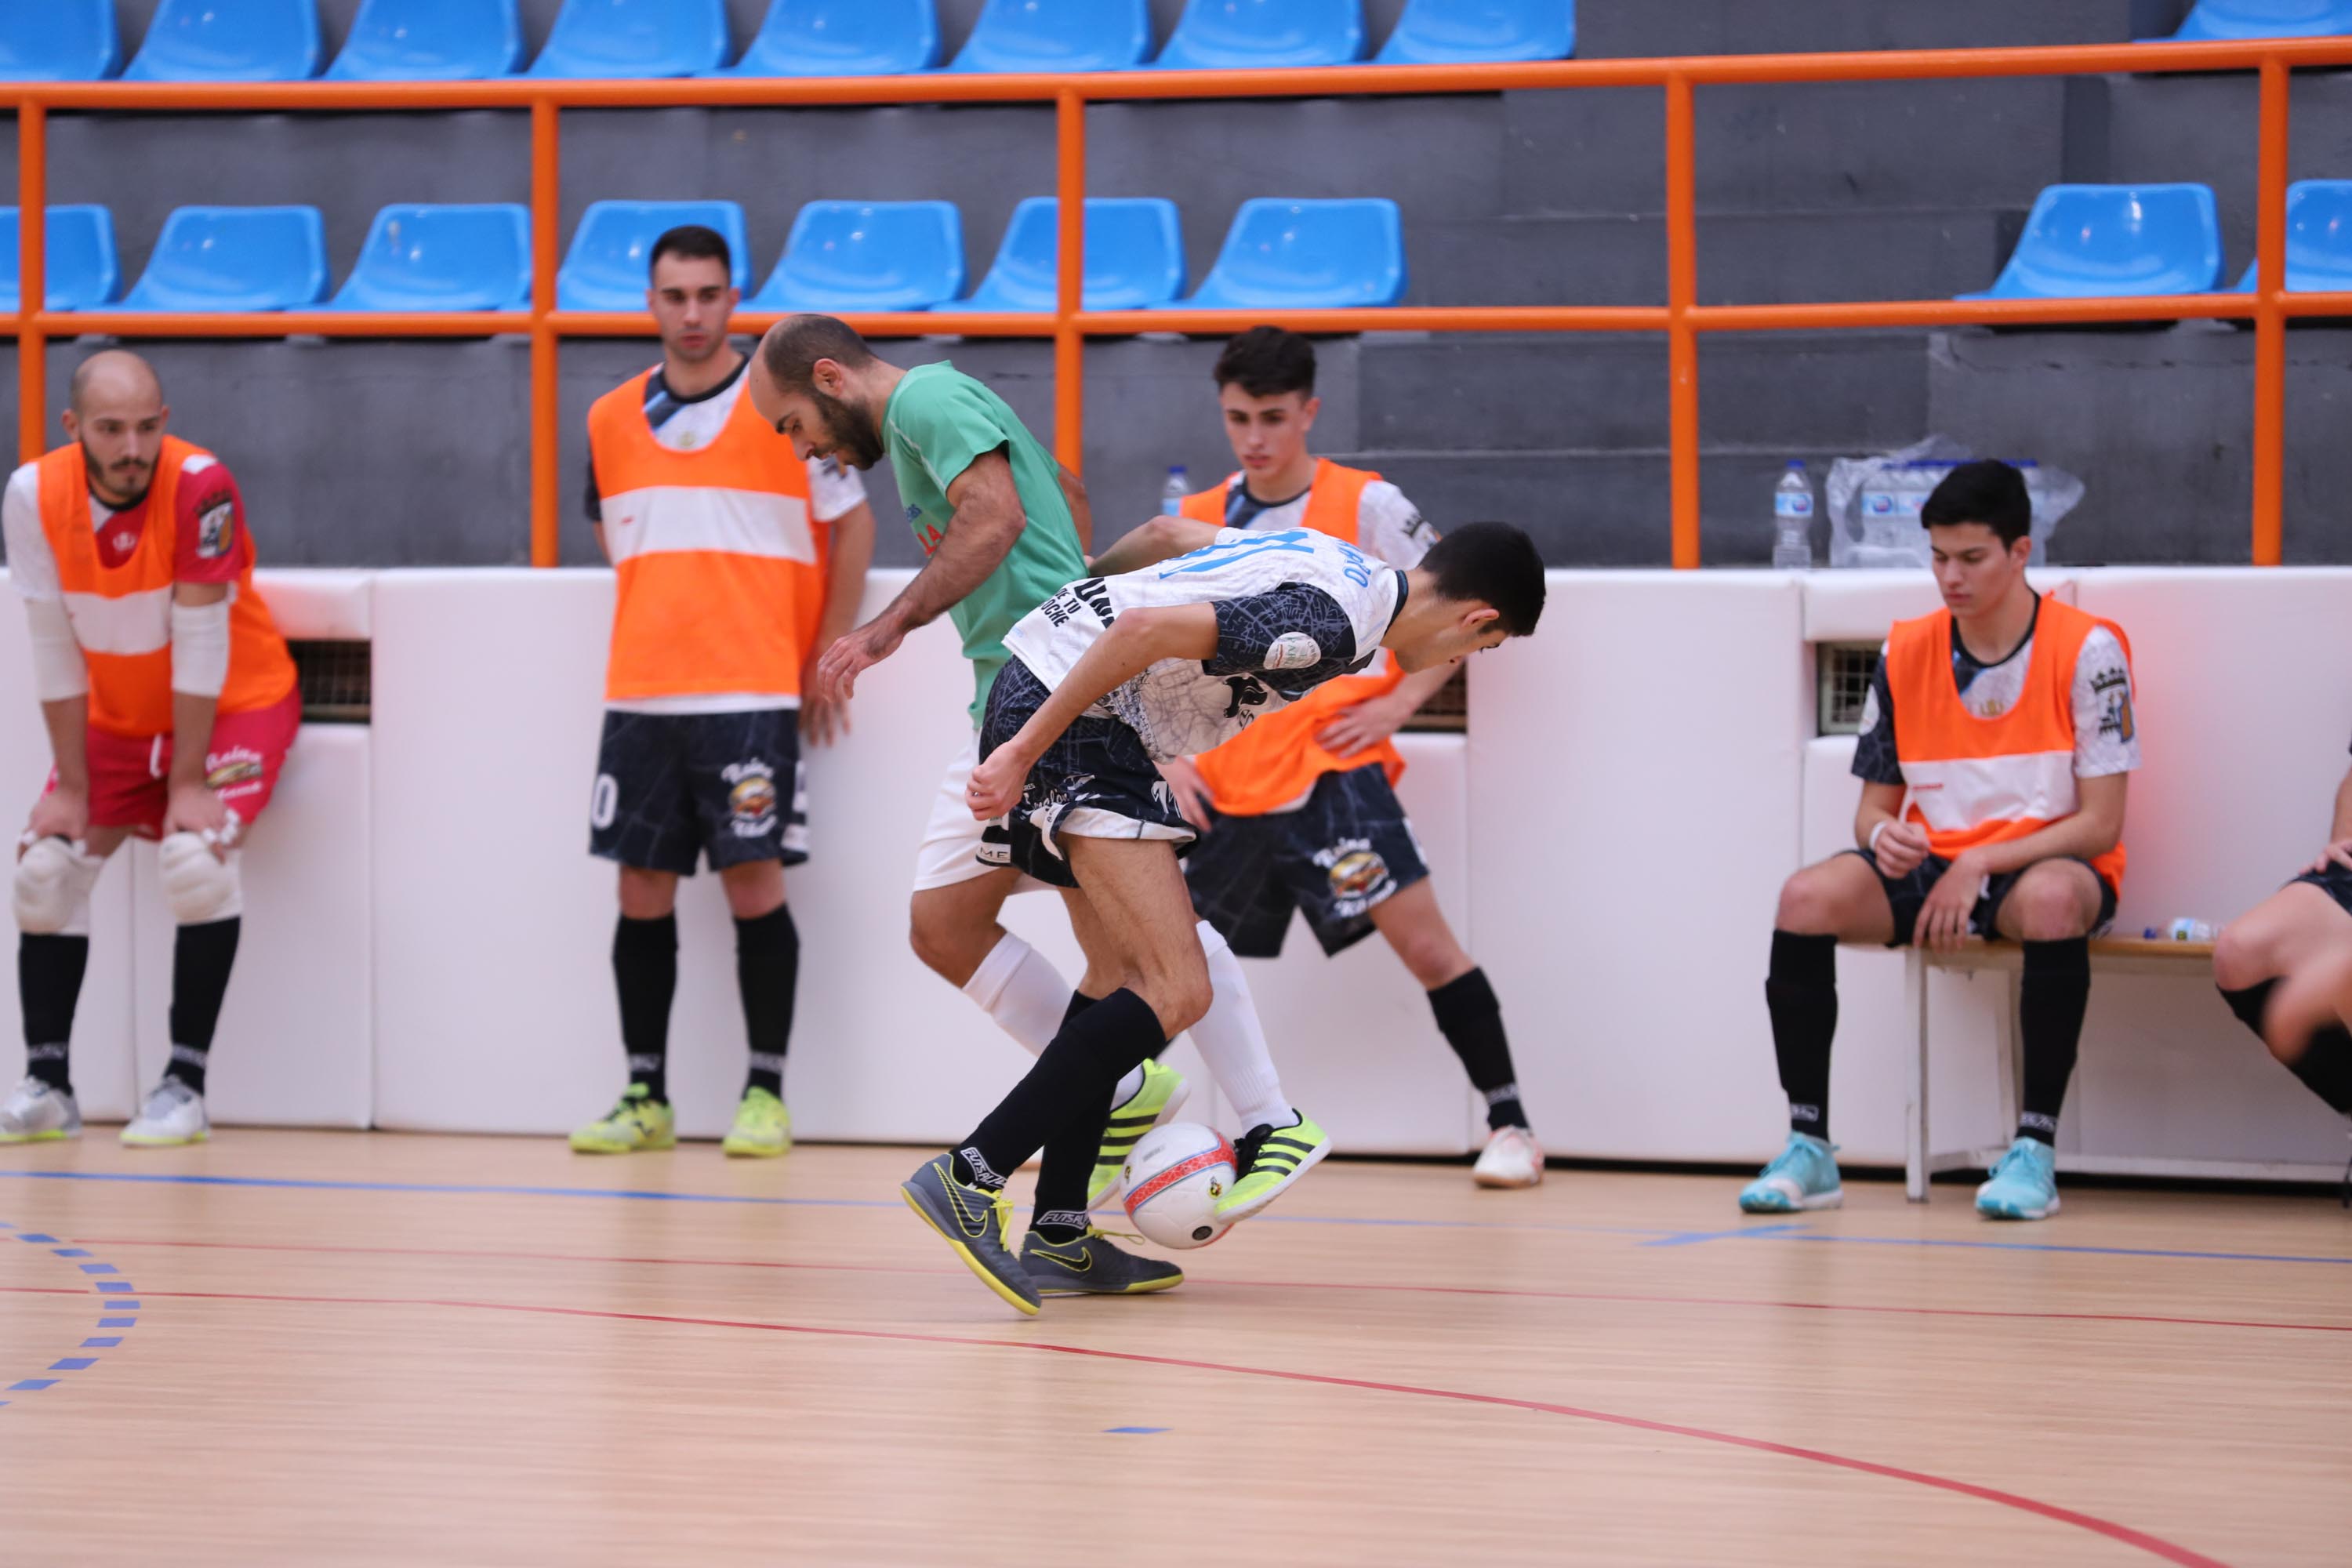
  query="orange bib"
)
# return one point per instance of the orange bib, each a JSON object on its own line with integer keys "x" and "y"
{"x": 122, "y": 614}
{"x": 1972, "y": 781}
{"x": 1277, "y": 760}
{"x": 721, "y": 568}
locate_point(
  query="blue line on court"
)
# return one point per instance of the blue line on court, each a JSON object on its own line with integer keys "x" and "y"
{"x": 100, "y": 1268}
{"x": 1779, "y": 1233}
{"x": 71, "y": 1251}
{"x": 115, "y": 1285}
{"x": 32, "y": 1384}
{"x": 1687, "y": 1237}
{"x": 30, "y": 1235}
{"x": 1133, "y": 1431}
{"x": 101, "y": 1341}
{"x": 112, "y": 1302}
{"x": 74, "y": 1364}
{"x": 118, "y": 1323}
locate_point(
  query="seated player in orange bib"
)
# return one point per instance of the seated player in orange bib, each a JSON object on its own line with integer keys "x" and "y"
{"x": 171, "y": 703}
{"x": 1996, "y": 743}
{"x": 1299, "y": 811}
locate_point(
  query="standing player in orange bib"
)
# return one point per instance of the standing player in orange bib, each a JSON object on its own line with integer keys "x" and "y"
{"x": 1997, "y": 744}
{"x": 169, "y": 701}
{"x": 1299, "y": 811}
{"x": 735, "y": 559}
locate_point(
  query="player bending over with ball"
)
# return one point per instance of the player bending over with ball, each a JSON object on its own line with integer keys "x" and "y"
{"x": 1188, "y": 633}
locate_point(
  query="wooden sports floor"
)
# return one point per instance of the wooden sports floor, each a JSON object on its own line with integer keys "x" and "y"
{"x": 330, "y": 1348}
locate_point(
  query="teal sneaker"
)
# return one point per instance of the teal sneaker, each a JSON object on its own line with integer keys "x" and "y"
{"x": 1802, "y": 1178}
{"x": 2025, "y": 1186}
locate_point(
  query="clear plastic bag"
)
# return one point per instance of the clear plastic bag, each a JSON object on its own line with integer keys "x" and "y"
{"x": 1874, "y": 502}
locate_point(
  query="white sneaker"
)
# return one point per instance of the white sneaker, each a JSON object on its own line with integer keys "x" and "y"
{"x": 173, "y": 1114}
{"x": 1512, "y": 1158}
{"x": 37, "y": 1112}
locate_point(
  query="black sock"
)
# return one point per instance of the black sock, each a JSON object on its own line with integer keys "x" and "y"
{"x": 1071, "y": 1080}
{"x": 1800, "y": 990}
{"x": 201, "y": 956}
{"x": 2050, "y": 997}
{"x": 49, "y": 983}
{"x": 2325, "y": 1064}
{"x": 768, "y": 971}
{"x": 1065, "y": 1169}
{"x": 645, "y": 971}
{"x": 2249, "y": 1005}
{"x": 1471, "y": 1019}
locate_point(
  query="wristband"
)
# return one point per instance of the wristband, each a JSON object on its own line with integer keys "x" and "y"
{"x": 1885, "y": 822}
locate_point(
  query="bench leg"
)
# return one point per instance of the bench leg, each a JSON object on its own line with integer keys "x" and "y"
{"x": 2005, "y": 1045}
{"x": 1914, "y": 1133}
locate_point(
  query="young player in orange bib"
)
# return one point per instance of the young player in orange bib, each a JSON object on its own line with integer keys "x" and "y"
{"x": 1996, "y": 743}
{"x": 171, "y": 703}
{"x": 1299, "y": 811}
{"x": 734, "y": 561}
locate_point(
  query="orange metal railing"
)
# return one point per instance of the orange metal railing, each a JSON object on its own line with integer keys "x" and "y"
{"x": 1681, "y": 319}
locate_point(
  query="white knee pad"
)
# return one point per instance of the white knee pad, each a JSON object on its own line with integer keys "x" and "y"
{"x": 51, "y": 889}
{"x": 199, "y": 887}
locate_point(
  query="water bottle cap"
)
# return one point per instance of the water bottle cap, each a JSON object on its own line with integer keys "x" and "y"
{"x": 1797, "y": 464}
{"x": 1175, "y": 468}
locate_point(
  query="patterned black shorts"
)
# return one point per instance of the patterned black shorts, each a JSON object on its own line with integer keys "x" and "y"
{"x": 1346, "y": 850}
{"x": 673, "y": 787}
{"x": 1907, "y": 895}
{"x": 2334, "y": 881}
{"x": 1095, "y": 781}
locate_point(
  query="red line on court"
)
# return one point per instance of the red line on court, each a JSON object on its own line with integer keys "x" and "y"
{"x": 1502, "y": 1292}
{"x": 2123, "y": 1534}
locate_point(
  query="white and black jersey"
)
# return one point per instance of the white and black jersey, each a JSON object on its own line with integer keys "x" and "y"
{"x": 1294, "y": 609}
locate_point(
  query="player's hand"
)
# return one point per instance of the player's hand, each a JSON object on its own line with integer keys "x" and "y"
{"x": 1944, "y": 918}
{"x": 1192, "y": 792}
{"x": 1901, "y": 848}
{"x": 823, "y": 720}
{"x": 1365, "y": 724}
{"x": 2336, "y": 853}
{"x": 61, "y": 814}
{"x": 869, "y": 644}
{"x": 995, "y": 787}
{"x": 197, "y": 810}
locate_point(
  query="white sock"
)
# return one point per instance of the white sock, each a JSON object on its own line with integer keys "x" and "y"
{"x": 1233, "y": 1042}
{"x": 1019, "y": 988}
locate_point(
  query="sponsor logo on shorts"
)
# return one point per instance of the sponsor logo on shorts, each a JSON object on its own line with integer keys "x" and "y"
{"x": 751, "y": 797}
{"x": 234, "y": 772}
{"x": 1354, "y": 867}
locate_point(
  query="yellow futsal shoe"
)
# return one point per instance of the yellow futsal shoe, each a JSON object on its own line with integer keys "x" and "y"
{"x": 1271, "y": 1159}
{"x": 637, "y": 1121}
{"x": 763, "y": 1128}
{"x": 1162, "y": 1095}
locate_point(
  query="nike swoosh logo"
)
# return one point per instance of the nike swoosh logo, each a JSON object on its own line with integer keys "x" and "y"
{"x": 1083, "y": 1263}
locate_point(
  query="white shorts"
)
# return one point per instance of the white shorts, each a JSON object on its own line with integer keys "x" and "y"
{"x": 951, "y": 839}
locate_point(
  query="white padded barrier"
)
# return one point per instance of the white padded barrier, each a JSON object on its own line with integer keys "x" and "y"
{"x": 1634, "y": 810}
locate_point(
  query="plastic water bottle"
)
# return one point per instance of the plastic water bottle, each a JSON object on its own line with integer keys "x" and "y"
{"x": 2182, "y": 929}
{"x": 1792, "y": 520}
{"x": 1172, "y": 493}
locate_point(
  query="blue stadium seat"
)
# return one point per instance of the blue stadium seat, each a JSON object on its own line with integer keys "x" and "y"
{"x": 607, "y": 266}
{"x": 842, "y": 38}
{"x": 2266, "y": 19}
{"x": 2085, "y": 241}
{"x": 1135, "y": 256}
{"x": 2318, "y": 239}
{"x": 1057, "y": 36}
{"x": 635, "y": 38}
{"x": 1308, "y": 256}
{"x": 235, "y": 258}
{"x": 227, "y": 40}
{"x": 81, "y": 271}
{"x": 1460, "y": 31}
{"x": 1265, "y": 35}
{"x": 442, "y": 258}
{"x": 59, "y": 40}
{"x": 431, "y": 40}
{"x": 867, "y": 256}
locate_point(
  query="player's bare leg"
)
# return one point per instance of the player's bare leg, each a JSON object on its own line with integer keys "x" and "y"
{"x": 50, "y": 892}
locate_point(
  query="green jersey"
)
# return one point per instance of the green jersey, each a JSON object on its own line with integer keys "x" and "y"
{"x": 938, "y": 423}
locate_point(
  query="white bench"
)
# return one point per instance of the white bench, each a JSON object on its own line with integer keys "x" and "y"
{"x": 2109, "y": 955}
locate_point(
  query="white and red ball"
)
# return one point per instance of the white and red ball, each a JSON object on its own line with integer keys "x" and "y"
{"x": 1174, "y": 1177}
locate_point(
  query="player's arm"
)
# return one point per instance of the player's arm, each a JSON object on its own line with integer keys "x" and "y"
{"x": 1162, "y": 539}
{"x": 592, "y": 503}
{"x": 211, "y": 554}
{"x": 1878, "y": 827}
{"x": 1082, "y": 514}
{"x": 1375, "y": 718}
{"x": 60, "y": 674}
{"x": 2339, "y": 835}
{"x": 2095, "y": 827}
{"x": 1139, "y": 639}
{"x": 850, "y": 552}
{"x": 983, "y": 527}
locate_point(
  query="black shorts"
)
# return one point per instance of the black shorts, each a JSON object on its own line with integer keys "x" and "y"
{"x": 1346, "y": 850}
{"x": 2334, "y": 881}
{"x": 1907, "y": 894}
{"x": 673, "y": 787}
{"x": 1095, "y": 781}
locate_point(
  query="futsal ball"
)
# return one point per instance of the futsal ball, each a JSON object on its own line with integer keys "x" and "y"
{"x": 1174, "y": 1178}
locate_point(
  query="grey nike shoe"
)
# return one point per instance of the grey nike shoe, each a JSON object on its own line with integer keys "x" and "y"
{"x": 37, "y": 1112}
{"x": 974, "y": 1221}
{"x": 1094, "y": 1265}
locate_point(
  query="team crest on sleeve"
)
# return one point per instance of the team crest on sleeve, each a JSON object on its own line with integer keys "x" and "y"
{"x": 1293, "y": 650}
{"x": 217, "y": 529}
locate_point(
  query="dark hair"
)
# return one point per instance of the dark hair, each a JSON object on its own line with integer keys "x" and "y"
{"x": 694, "y": 243}
{"x": 1268, "y": 362}
{"x": 793, "y": 345}
{"x": 1492, "y": 564}
{"x": 1986, "y": 491}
